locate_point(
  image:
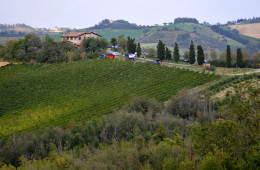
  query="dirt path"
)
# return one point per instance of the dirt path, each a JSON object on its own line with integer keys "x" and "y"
{"x": 4, "y": 63}
{"x": 249, "y": 72}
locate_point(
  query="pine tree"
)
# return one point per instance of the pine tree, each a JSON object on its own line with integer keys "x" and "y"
{"x": 168, "y": 54}
{"x": 161, "y": 50}
{"x": 192, "y": 53}
{"x": 239, "y": 58}
{"x": 176, "y": 53}
{"x": 228, "y": 56}
{"x": 131, "y": 46}
{"x": 200, "y": 55}
{"x": 138, "y": 50}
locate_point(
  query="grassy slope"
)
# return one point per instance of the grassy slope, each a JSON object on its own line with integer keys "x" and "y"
{"x": 32, "y": 96}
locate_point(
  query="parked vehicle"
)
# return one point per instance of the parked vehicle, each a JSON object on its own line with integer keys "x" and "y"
{"x": 186, "y": 60}
{"x": 116, "y": 53}
{"x": 154, "y": 62}
{"x": 145, "y": 53}
{"x": 103, "y": 56}
{"x": 131, "y": 57}
{"x": 182, "y": 58}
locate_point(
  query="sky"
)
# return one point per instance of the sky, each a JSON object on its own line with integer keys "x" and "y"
{"x": 86, "y": 13}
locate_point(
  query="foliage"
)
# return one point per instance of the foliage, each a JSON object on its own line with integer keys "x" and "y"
{"x": 161, "y": 50}
{"x": 176, "y": 53}
{"x": 113, "y": 41}
{"x": 200, "y": 55}
{"x": 192, "y": 53}
{"x": 184, "y": 20}
{"x": 228, "y": 57}
{"x": 138, "y": 50}
{"x": 168, "y": 54}
{"x": 239, "y": 58}
{"x": 121, "y": 40}
{"x": 131, "y": 46}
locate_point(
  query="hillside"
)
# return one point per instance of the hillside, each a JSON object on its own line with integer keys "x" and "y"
{"x": 33, "y": 96}
{"x": 251, "y": 30}
{"x": 183, "y": 33}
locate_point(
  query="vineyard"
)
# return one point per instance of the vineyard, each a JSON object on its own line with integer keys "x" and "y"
{"x": 37, "y": 95}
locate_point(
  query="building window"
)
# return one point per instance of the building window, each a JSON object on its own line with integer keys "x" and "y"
{"x": 68, "y": 38}
{"x": 79, "y": 38}
{"x": 71, "y": 38}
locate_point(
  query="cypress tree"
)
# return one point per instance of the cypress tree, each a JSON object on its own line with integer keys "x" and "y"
{"x": 138, "y": 50}
{"x": 113, "y": 41}
{"x": 239, "y": 58}
{"x": 161, "y": 50}
{"x": 168, "y": 54}
{"x": 200, "y": 55}
{"x": 228, "y": 56}
{"x": 192, "y": 53}
{"x": 131, "y": 46}
{"x": 176, "y": 53}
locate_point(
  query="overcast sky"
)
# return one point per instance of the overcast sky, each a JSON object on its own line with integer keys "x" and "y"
{"x": 86, "y": 13}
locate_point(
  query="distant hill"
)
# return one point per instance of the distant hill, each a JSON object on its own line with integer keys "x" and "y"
{"x": 251, "y": 30}
{"x": 18, "y": 31}
{"x": 182, "y": 31}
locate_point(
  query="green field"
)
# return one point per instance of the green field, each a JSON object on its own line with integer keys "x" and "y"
{"x": 114, "y": 33}
{"x": 32, "y": 96}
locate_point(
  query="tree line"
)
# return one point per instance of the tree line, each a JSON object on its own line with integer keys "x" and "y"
{"x": 226, "y": 60}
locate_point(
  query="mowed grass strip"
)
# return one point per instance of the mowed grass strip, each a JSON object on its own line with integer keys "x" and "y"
{"x": 33, "y": 96}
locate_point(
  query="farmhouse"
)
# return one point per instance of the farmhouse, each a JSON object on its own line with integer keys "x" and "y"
{"x": 77, "y": 37}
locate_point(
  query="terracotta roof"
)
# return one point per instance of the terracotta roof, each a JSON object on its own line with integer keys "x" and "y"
{"x": 76, "y": 34}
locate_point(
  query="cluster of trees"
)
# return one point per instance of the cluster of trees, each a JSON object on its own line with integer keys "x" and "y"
{"x": 233, "y": 34}
{"x": 12, "y": 33}
{"x": 31, "y": 48}
{"x": 163, "y": 52}
{"x": 250, "y": 20}
{"x": 186, "y": 20}
{"x": 236, "y": 58}
{"x": 118, "y": 24}
{"x": 187, "y": 133}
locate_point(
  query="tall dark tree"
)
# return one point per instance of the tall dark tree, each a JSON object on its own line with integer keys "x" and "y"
{"x": 200, "y": 55}
{"x": 228, "y": 62}
{"x": 161, "y": 50}
{"x": 131, "y": 46}
{"x": 113, "y": 41}
{"x": 239, "y": 58}
{"x": 176, "y": 53}
{"x": 138, "y": 50}
{"x": 168, "y": 54}
{"x": 192, "y": 53}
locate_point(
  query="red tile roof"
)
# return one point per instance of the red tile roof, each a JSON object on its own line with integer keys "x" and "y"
{"x": 76, "y": 34}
